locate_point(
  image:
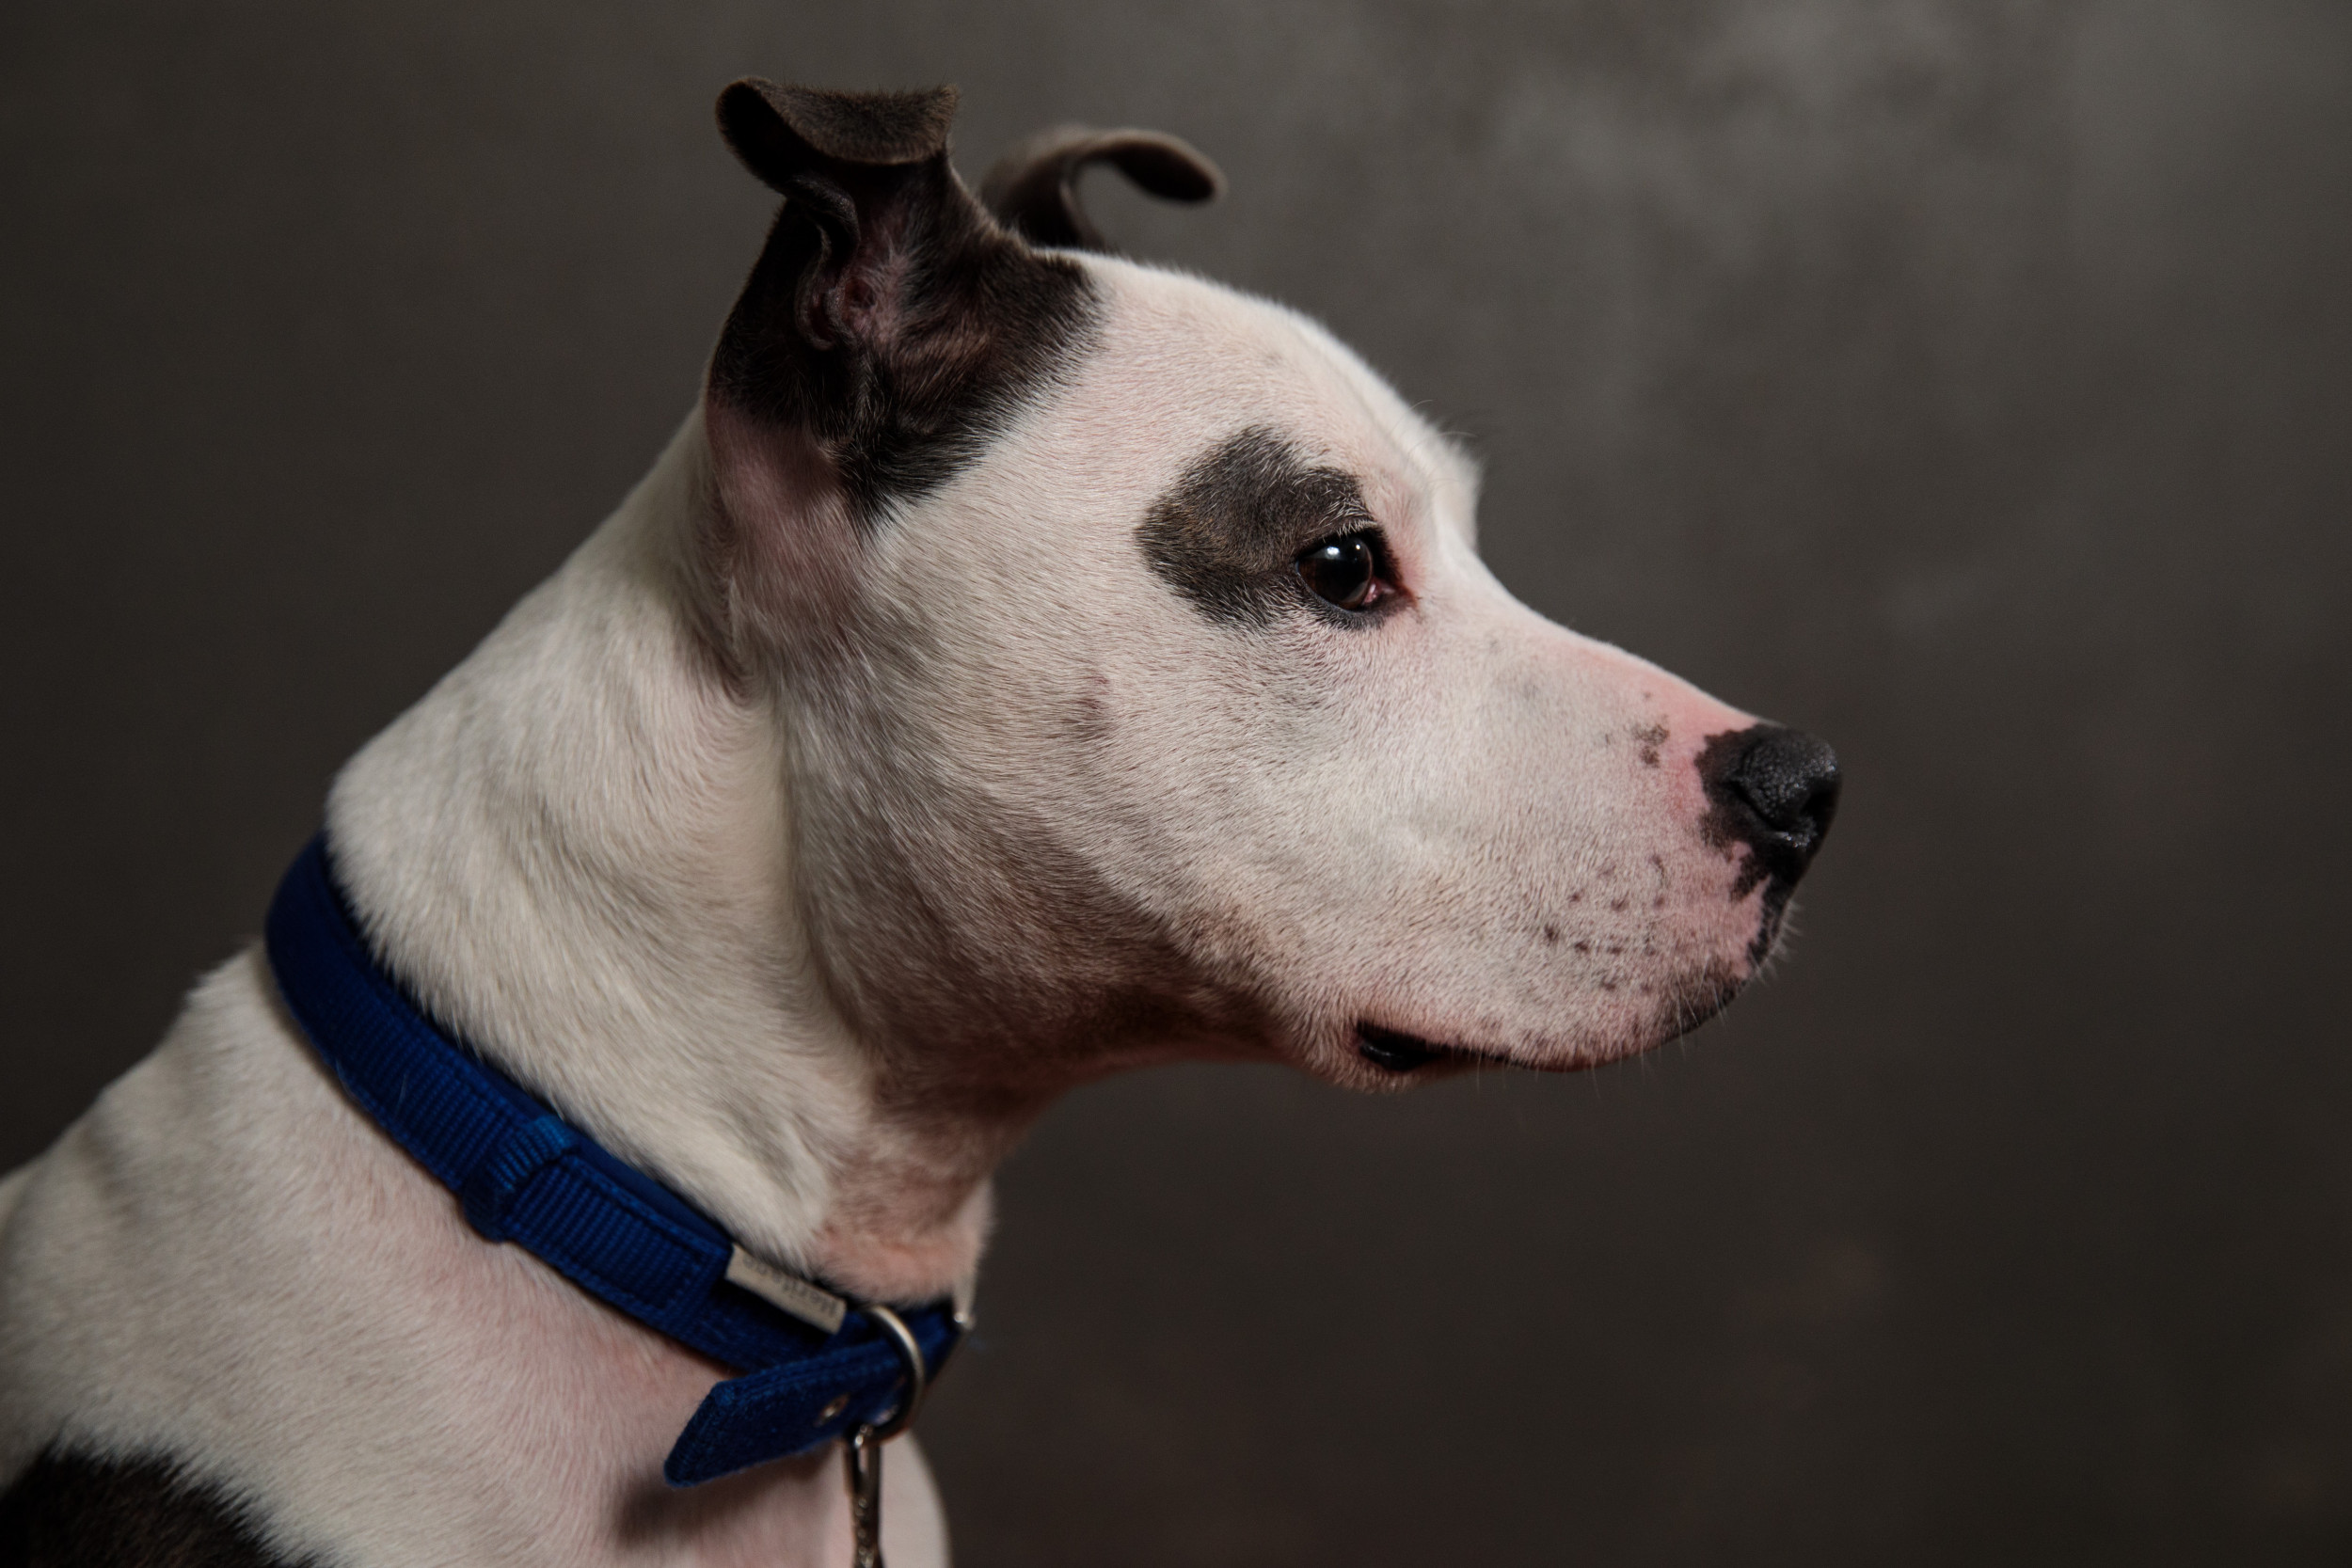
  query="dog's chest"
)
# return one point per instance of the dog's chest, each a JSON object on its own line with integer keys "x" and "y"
{"x": 238, "y": 1319}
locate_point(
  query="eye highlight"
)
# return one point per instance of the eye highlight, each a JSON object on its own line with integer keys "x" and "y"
{"x": 1349, "y": 572}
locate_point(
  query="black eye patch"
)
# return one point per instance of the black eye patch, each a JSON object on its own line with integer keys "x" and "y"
{"x": 1228, "y": 534}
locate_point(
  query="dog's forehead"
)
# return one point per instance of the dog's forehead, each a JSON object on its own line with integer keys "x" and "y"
{"x": 1182, "y": 365}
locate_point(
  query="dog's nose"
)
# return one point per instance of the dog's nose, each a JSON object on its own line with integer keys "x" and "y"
{"x": 1776, "y": 790}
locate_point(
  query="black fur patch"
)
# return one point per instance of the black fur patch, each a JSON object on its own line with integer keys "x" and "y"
{"x": 889, "y": 317}
{"x": 1227, "y": 534}
{"x": 70, "y": 1511}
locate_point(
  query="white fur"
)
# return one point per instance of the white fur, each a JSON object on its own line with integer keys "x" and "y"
{"x": 811, "y": 914}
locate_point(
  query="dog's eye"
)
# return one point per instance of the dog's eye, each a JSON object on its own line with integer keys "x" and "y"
{"x": 1344, "y": 571}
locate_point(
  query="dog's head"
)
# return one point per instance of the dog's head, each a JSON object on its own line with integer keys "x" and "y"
{"x": 1142, "y": 691}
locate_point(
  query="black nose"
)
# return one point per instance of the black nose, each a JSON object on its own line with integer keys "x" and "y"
{"x": 1776, "y": 790}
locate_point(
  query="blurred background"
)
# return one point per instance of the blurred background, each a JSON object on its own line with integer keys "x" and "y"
{"x": 1969, "y": 381}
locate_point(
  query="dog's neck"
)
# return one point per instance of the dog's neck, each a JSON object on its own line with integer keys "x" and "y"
{"x": 575, "y": 852}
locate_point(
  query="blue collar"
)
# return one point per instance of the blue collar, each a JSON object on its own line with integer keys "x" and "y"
{"x": 816, "y": 1367}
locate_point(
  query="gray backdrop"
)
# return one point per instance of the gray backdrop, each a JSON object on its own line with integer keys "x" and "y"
{"x": 1967, "y": 380}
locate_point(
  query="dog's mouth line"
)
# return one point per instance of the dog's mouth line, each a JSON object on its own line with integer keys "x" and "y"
{"x": 1394, "y": 1050}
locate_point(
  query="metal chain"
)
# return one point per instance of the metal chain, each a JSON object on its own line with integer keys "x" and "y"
{"x": 864, "y": 1450}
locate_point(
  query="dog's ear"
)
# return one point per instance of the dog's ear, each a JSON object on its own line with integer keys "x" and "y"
{"x": 1034, "y": 188}
{"x": 888, "y": 318}
{"x": 779, "y": 129}
{"x": 889, "y": 328}
{"x": 866, "y": 185}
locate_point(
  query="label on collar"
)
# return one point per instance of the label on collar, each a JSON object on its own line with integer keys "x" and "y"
{"x": 814, "y": 1305}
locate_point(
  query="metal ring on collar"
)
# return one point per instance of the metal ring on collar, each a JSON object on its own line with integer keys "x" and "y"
{"x": 917, "y": 1375}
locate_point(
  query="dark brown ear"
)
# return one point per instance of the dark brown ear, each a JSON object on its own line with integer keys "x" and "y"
{"x": 888, "y": 322}
{"x": 859, "y": 172}
{"x": 779, "y": 130}
{"x": 1034, "y": 188}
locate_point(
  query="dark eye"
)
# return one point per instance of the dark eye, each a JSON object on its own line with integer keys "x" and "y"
{"x": 1344, "y": 571}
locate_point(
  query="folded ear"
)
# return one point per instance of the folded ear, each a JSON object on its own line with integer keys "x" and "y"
{"x": 890, "y": 326}
{"x": 1034, "y": 188}
{"x": 779, "y": 129}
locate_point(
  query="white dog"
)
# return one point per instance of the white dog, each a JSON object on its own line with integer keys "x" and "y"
{"x": 1023, "y": 664}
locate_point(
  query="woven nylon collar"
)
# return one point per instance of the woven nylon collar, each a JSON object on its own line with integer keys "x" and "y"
{"x": 815, "y": 1366}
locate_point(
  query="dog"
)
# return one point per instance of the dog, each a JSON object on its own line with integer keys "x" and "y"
{"x": 1023, "y": 664}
